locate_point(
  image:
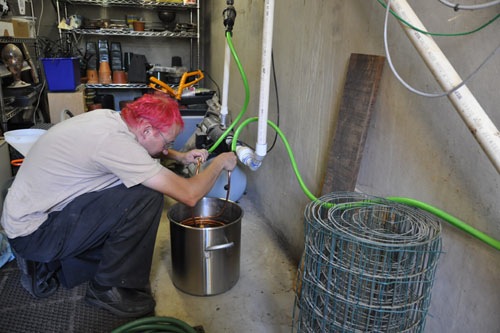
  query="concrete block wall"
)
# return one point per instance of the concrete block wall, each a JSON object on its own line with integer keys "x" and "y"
{"x": 416, "y": 147}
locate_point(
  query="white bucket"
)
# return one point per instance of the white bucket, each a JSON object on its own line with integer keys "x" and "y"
{"x": 23, "y": 139}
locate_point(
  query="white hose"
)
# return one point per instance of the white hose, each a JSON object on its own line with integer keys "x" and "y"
{"x": 470, "y": 7}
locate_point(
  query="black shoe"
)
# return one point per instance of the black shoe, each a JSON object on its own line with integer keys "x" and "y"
{"x": 37, "y": 278}
{"x": 122, "y": 302}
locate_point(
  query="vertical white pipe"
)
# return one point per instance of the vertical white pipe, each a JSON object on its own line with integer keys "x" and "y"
{"x": 462, "y": 99}
{"x": 225, "y": 85}
{"x": 267, "y": 41}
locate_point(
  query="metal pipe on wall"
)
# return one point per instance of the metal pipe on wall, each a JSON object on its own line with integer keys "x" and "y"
{"x": 476, "y": 119}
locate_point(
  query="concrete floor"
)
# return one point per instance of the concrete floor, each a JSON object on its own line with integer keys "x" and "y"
{"x": 261, "y": 301}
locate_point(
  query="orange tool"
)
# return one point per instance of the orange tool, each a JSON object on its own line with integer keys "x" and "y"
{"x": 182, "y": 84}
{"x": 17, "y": 162}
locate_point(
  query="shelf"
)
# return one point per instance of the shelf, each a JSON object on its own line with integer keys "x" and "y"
{"x": 189, "y": 32}
{"x": 118, "y": 86}
{"x": 8, "y": 39}
{"x": 131, "y": 3}
{"x": 4, "y": 72}
{"x": 118, "y": 32}
{"x": 10, "y": 112}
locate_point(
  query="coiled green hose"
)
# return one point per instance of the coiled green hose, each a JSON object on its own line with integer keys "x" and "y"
{"x": 154, "y": 325}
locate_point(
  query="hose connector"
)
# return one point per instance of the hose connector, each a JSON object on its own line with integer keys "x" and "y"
{"x": 247, "y": 157}
{"x": 223, "y": 116}
{"x": 229, "y": 15}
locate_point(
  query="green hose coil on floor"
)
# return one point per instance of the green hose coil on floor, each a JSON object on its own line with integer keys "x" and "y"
{"x": 156, "y": 324}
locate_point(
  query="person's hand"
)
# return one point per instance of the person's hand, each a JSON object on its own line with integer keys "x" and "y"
{"x": 229, "y": 160}
{"x": 194, "y": 155}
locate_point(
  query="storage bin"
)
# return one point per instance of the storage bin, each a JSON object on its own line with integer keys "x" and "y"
{"x": 62, "y": 74}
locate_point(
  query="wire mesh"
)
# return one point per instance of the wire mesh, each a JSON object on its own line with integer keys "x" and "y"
{"x": 368, "y": 265}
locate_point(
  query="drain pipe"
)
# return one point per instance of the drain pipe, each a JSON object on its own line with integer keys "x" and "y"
{"x": 245, "y": 154}
{"x": 229, "y": 15}
{"x": 225, "y": 86}
{"x": 267, "y": 44}
{"x": 462, "y": 99}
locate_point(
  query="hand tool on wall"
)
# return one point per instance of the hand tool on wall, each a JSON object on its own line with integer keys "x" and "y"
{"x": 34, "y": 73}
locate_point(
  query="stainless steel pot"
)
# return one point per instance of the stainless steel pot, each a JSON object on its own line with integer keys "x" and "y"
{"x": 205, "y": 257}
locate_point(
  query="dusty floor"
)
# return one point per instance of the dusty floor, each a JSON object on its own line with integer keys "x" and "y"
{"x": 261, "y": 301}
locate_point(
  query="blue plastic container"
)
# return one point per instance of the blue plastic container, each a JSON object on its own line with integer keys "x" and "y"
{"x": 62, "y": 74}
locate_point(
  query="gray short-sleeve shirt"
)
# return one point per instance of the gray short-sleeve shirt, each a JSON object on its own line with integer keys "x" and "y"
{"x": 90, "y": 152}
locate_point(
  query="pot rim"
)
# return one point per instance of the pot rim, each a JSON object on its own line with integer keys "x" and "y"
{"x": 180, "y": 204}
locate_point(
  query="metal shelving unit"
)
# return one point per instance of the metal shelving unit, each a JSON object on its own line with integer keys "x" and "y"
{"x": 9, "y": 112}
{"x": 5, "y": 40}
{"x": 131, "y": 33}
{"x": 131, "y": 3}
{"x": 118, "y": 86}
{"x": 193, "y": 37}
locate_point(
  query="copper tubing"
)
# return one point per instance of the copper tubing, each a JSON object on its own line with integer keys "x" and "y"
{"x": 208, "y": 221}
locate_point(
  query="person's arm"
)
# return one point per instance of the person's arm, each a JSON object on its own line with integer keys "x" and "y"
{"x": 190, "y": 190}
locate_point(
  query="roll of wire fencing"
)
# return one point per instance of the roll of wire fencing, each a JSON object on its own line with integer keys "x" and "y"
{"x": 368, "y": 265}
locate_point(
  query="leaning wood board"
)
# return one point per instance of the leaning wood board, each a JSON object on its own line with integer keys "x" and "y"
{"x": 346, "y": 148}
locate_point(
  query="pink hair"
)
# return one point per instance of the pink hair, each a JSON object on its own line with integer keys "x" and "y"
{"x": 160, "y": 110}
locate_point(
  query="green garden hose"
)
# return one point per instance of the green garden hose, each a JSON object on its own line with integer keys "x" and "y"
{"x": 155, "y": 325}
{"x": 288, "y": 148}
{"x": 247, "y": 94}
{"x": 450, "y": 219}
{"x": 410, "y": 202}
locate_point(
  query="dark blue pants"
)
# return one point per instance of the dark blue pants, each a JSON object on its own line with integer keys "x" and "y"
{"x": 108, "y": 236}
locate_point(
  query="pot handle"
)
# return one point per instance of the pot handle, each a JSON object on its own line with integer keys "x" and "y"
{"x": 219, "y": 247}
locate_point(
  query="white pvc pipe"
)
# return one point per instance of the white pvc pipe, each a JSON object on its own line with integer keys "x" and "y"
{"x": 267, "y": 42}
{"x": 225, "y": 85}
{"x": 462, "y": 99}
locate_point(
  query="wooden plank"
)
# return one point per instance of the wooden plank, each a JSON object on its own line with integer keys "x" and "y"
{"x": 346, "y": 148}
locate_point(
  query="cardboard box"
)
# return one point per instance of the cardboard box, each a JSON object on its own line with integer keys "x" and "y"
{"x": 6, "y": 29}
{"x": 59, "y": 102}
{"x": 24, "y": 26}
